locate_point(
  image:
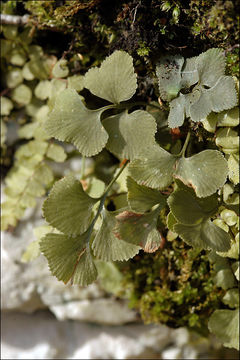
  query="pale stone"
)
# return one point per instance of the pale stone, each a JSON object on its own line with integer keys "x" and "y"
{"x": 40, "y": 336}
{"x": 189, "y": 352}
{"x": 102, "y": 311}
{"x": 155, "y": 339}
{"x": 29, "y": 287}
{"x": 180, "y": 336}
{"x": 171, "y": 353}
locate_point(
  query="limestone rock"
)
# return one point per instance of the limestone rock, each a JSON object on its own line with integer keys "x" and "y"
{"x": 102, "y": 311}
{"x": 46, "y": 338}
{"x": 30, "y": 287}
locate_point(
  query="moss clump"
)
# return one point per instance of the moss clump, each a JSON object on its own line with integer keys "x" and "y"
{"x": 173, "y": 286}
{"x": 215, "y": 24}
{"x": 145, "y": 29}
{"x": 215, "y": 21}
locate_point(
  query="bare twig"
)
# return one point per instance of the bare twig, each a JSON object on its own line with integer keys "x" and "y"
{"x": 13, "y": 19}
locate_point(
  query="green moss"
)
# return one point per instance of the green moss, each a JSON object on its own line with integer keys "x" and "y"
{"x": 232, "y": 61}
{"x": 143, "y": 50}
{"x": 145, "y": 29}
{"x": 215, "y": 25}
{"x": 173, "y": 286}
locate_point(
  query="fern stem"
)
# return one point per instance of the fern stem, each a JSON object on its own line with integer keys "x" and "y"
{"x": 102, "y": 201}
{"x": 107, "y": 107}
{"x": 184, "y": 148}
{"x": 115, "y": 178}
{"x": 83, "y": 167}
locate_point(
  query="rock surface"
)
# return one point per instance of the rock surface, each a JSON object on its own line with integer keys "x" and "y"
{"x": 40, "y": 336}
{"x": 29, "y": 287}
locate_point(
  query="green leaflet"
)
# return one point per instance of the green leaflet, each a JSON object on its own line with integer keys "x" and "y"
{"x": 205, "y": 235}
{"x": 213, "y": 91}
{"x": 228, "y": 140}
{"x": 57, "y": 86}
{"x": 225, "y": 278}
{"x": 43, "y": 176}
{"x": 229, "y": 194}
{"x": 193, "y": 221}
{"x": 14, "y": 78}
{"x": 221, "y": 96}
{"x": 177, "y": 111}
{"x": 210, "y": 123}
{"x": 11, "y": 212}
{"x": 32, "y": 148}
{"x": 69, "y": 258}
{"x": 60, "y": 69}
{"x": 225, "y": 325}
{"x": 10, "y": 31}
{"x": 40, "y": 65}
{"x": 220, "y": 223}
{"x": 159, "y": 115}
{"x": 171, "y": 221}
{"x": 229, "y": 217}
{"x": 195, "y": 210}
{"x": 35, "y": 51}
{"x": 142, "y": 198}
{"x": 139, "y": 229}
{"x": 43, "y": 89}
{"x": 56, "y": 152}
{"x": 106, "y": 246}
{"x": 23, "y": 184}
{"x": 233, "y": 252}
{"x": 71, "y": 121}
{"x": 85, "y": 272}
{"x": 68, "y": 208}
{"x": 228, "y": 118}
{"x": 157, "y": 168}
{"x": 17, "y": 56}
{"x": 3, "y": 133}
{"x": 210, "y": 66}
{"x": 33, "y": 249}
{"x": 27, "y": 131}
{"x": 115, "y": 80}
{"x": 205, "y": 172}
{"x": 154, "y": 169}
{"x": 189, "y": 73}
{"x": 32, "y": 252}
{"x": 26, "y": 72}
{"x": 168, "y": 72}
{"x": 25, "y": 36}
{"x": 109, "y": 276}
{"x": 5, "y": 47}
{"x": 231, "y": 298}
{"x": 95, "y": 188}
{"x": 236, "y": 269}
{"x": 27, "y": 180}
{"x": 76, "y": 82}
{"x": 22, "y": 94}
{"x": 6, "y": 106}
{"x": 129, "y": 133}
{"x": 34, "y": 106}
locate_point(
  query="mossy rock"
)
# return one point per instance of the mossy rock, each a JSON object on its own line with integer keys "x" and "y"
{"x": 145, "y": 29}
{"x": 173, "y": 286}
